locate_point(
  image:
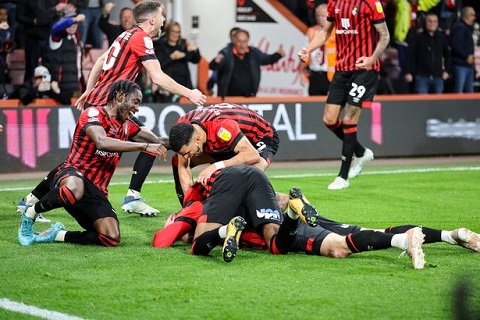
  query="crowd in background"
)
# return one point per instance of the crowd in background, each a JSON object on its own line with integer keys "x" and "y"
{"x": 432, "y": 44}
{"x": 426, "y": 53}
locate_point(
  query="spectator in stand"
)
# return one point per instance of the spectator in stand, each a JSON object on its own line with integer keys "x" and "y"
{"x": 64, "y": 58}
{"x": 244, "y": 61}
{"x": 402, "y": 25}
{"x": 89, "y": 30}
{"x": 320, "y": 66}
{"x": 37, "y": 18}
{"x": 39, "y": 86}
{"x": 112, "y": 31}
{"x": 428, "y": 58}
{"x": 11, "y": 7}
{"x": 174, "y": 54}
{"x": 7, "y": 45}
{"x": 463, "y": 51}
{"x": 213, "y": 77}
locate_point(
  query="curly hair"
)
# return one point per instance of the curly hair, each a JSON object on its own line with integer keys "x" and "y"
{"x": 125, "y": 87}
{"x": 180, "y": 135}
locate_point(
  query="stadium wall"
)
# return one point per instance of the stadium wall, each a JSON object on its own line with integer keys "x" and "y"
{"x": 37, "y": 137}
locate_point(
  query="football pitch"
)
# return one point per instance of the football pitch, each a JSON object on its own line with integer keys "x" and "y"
{"x": 137, "y": 281}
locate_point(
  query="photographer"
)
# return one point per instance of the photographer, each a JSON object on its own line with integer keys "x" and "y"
{"x": 40, "y": 86}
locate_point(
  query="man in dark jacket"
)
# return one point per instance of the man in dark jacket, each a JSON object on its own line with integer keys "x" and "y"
{"x": 463, "y": 52}
{"x": 244, "y": 61}
{"x": 37, "y": 18}
{"x": 428, "y": 58}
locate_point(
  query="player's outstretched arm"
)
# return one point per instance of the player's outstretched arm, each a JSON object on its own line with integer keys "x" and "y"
{"x": 104, "y": 143}
{"x": 318, "y": 41}
{"x": 165, "y": 82}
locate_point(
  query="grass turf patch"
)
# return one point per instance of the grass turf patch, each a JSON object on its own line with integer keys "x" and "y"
{"x": 135, "y": 280}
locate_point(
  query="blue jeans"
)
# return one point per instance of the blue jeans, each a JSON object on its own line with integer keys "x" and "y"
{"x": 462, "y": 79}
{"x": 426, "y": 84}
{"x": 92, "y": 15}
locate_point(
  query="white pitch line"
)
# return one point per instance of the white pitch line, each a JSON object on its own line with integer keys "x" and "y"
{"x": 399, "y": 171}
{"x": 35, "y": 311}
{"x": 300, "y": 175}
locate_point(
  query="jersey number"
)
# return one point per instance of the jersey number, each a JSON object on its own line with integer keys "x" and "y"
{"x": 260, "y": 146}
{"x": 111, "y": 56}
{"x": 357, "y": 91}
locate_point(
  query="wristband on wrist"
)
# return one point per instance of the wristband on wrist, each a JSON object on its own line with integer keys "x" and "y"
{"x": 146, "y": 147}
{"x": 219, "y": 165}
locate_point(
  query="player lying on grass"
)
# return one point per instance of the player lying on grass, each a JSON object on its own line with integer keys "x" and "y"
{"x": 236, "y": 195}
{"x": 80, "y": 184}
{"x": 328, "y": 238}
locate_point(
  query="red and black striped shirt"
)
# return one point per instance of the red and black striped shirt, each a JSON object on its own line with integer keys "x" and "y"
{"x": 225, "y": 124}
{"x": 124, "y": 61}
{"x": 355, "y": 31}
{"x": 98, "y": 166}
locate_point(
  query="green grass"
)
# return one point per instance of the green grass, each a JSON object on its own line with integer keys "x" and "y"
{"x": 136, "y": 281}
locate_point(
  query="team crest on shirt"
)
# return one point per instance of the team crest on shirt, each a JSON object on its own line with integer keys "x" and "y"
{"x": 379, "y": 7}
{"x": 355, "y": 11}
{"x": 224, "y": 134}
{"x": 93, "y": 114}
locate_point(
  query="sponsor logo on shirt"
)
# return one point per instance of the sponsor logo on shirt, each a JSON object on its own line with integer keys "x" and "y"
{"x": 346, "y": 27}
{"x": 224, "y": 134}
{"x": 106, "y": 154}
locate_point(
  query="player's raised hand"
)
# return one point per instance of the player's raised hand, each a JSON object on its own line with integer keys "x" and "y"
{"x": 205, "y": 174}
{"x": 197, "y": 97}
{"x": 80, "y": 101}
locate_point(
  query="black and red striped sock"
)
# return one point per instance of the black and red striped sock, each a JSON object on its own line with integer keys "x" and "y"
{"x": 90, "y": 238}
{"x": 348, "y": 147}
{"x": 337, "y": 129}
{"x": 55, "y": 198}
